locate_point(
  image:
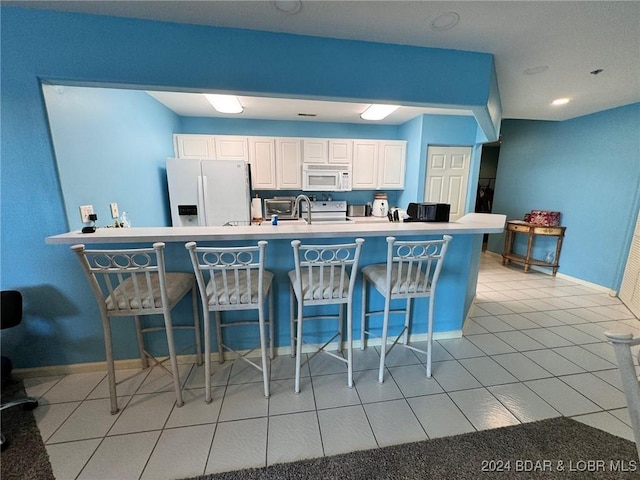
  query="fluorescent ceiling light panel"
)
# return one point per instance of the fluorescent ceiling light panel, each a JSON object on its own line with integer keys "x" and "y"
{"x": 378, "y": 112}
{"x": 560, "y": 101}
{"x": 225, "y": 103}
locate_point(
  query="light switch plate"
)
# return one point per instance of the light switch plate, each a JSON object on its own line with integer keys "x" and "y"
{"x": 114, "y": 210}
{"x": 85, "y": 211}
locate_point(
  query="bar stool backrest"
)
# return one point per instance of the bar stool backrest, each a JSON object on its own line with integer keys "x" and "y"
{"x": 232, "y": 277}
{"x": 128, "y": 281}
{"x": 413, "y": 267}
{"x": 326, "y": 271}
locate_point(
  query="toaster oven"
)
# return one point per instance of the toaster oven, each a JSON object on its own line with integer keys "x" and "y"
{"x": 284, "y": 207}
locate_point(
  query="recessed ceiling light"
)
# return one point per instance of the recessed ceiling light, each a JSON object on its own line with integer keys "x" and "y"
{"x": 561, "y": 101}
{"x": 445, "y": 21}
{"x": 378, "y": 112}
{"x": 225, "y": 103}
{"x": 290, "y": 7}
{"x": 536, "y": 70}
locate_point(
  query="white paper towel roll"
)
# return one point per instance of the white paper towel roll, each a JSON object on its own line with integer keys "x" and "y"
{"x": 256, "y": 208}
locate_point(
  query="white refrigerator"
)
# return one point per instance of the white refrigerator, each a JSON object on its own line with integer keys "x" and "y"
{"x": 208, "y": 192}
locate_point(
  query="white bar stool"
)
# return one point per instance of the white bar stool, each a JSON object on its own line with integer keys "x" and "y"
{"x": 323, "y": 275}
{"x": 412, "y": 270}
{"x": 131, "y": 283}
{"x": 234, "y": 278}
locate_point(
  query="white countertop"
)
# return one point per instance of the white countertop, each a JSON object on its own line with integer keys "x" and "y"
{"x": 472, "y": 223}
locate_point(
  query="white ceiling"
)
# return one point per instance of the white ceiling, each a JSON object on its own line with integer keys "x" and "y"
{"x": 565, "y": 39}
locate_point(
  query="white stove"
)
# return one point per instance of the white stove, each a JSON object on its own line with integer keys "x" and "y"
{"x": 332, "y": 211}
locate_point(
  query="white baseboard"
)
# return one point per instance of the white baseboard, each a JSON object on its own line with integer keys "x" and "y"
{"x": 579, "y": 281}
{"x": 55, "y": 370}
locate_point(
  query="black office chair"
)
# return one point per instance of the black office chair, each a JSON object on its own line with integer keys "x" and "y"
{"x": 10, "y": 316}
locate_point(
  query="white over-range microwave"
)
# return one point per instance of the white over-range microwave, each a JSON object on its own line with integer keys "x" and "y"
{"x": 326, "y": 178}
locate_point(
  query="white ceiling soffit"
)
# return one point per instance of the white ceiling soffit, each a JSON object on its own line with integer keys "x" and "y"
{"x": 263, "y": 108}
{"x": 558, "y": 42}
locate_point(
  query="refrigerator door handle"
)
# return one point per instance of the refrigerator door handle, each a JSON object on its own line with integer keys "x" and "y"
{"x": 202, "y": 195}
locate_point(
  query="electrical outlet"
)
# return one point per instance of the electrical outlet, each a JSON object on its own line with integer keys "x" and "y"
{"x": 85, "y": 211}
{"x": 114, "y": 210}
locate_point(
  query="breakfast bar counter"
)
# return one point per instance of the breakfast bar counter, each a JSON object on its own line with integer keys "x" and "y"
{"x": 456, "y": 285}
{"x": 473, "y": 223}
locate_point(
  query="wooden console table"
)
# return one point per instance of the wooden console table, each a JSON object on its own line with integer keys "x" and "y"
{"x": 532, "y": 230}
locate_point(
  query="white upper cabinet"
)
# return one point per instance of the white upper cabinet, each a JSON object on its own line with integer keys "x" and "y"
{"x": 341, "y": 151}
{"x": 288, "y": 163}
{"x": 379, "y": 164}
{"x": 327, "y": 150}
{"x": 231, "y": 147}
{"x": 262, "y": 157}
{"x": 315, "y": 150}
{"x": 275, "y": 163}
{"x": 365, "y": 165}
{"x": 392, "y": 162}
{"x": 194, "y": 146}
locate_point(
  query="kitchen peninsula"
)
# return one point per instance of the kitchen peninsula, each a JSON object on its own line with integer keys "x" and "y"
{"x": 456, "y": 287}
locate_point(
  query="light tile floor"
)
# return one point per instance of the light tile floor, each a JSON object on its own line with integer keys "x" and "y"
{"x": 533, "y": 348}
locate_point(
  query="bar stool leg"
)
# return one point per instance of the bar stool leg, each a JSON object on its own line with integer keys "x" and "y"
{"x": 207, "y": 356}
{"x": 172, "y": 356}
{"x": 340, "y": 328}
{"x": 363, "y": 322}
{"x": 292, "y": 323}
{"x": 407, "y": 322}
{"x": 143, "y": 355}
{"x": 385, "y": 331}
{"x": 429, "y": 335}
{"x": 196, "y": 323}
{"x": 263, "y": 348}
{"x": 349, "y": 344}
{"x": 299, "y": 347}
{"x": 111, "y": 371}
{"x": 271, "y": 324}
{"x": 217, "y": 315}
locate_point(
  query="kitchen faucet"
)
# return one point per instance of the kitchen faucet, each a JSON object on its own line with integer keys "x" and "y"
{"x": 297, "y": 205}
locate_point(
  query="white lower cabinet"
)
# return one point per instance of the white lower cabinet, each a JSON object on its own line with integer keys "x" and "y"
{"x": 275, "y": 163}
{"x": 379, "y": 164}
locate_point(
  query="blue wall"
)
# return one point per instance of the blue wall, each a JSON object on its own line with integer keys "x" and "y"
{"x": 60, "y": 324}
{"x": 587, "y": 168}
{"x": 110, "y": 146}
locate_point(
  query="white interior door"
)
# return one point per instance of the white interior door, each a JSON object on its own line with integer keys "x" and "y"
{"x": 448, "y": 177}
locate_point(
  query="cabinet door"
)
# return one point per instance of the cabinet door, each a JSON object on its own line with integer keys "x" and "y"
{"x": 232, "y": 147}
{"x": 341, "y": 151}
{"x": 194, "y": 146}
{"x": 288, "y": 163}
{"x": 365, "y": 164}
{"x": 263, "y": 163}
{"x": 315, "y": 150}
{"x": 391, "y": 166}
